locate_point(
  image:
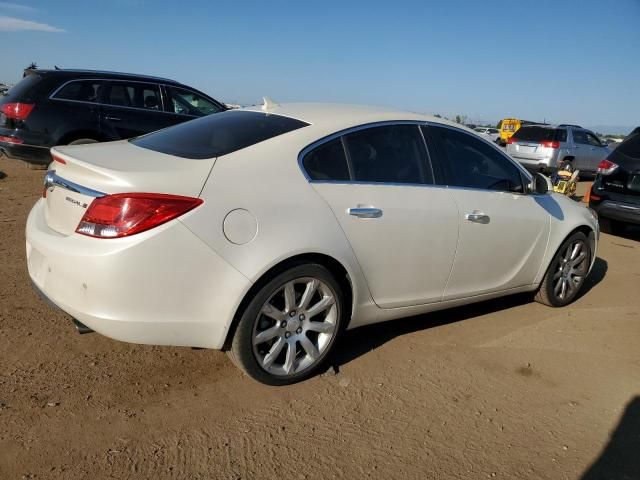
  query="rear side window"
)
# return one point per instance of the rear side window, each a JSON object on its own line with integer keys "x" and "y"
{"x": 580, "y": 136}
{"x": 81, "y": 91}
{"x": 217, "y": 135}
{"x": 327, "y": 162}
{"x": 467, "y": 161}
{"x": 393, "y": 154}
{"x": 541, "y": 134}
{"x": 136, "y": 95}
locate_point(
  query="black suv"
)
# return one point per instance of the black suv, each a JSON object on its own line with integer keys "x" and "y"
{"x": 615, "y": 193}
{"x": 62, "y": 107}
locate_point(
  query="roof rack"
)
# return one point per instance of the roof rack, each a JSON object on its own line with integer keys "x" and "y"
{"x": 105, "y": 72}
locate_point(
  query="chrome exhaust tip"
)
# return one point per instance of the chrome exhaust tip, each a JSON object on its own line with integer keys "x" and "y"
{"x": 81, "y": 327}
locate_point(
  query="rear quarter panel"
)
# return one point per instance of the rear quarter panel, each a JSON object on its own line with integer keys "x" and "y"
{"x": 291, "y": 218}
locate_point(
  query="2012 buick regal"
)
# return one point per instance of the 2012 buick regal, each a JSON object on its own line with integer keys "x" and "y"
{"x": 268, "y": 231}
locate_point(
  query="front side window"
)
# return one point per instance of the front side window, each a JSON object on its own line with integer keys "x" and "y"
{"x": 81, "y": 91}
{"x": 186, "y": 102}
{"x": 466, "y": 161}
{"x": 593, "y": 140}
{"x": 217, "y": 135}
{"x": 327, "y": 162}
{"x": 389, "y": 154}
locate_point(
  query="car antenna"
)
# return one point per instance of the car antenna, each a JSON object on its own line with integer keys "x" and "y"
{"x": 268, "y": 104}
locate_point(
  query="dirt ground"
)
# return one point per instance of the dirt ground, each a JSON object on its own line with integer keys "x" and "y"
{"x": 502, "y": 389}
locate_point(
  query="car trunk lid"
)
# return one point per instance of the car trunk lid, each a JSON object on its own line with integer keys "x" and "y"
{"x": 81, "y": 173}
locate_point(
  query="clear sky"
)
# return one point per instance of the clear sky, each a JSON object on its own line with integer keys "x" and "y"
{"x": 571, "y": 61}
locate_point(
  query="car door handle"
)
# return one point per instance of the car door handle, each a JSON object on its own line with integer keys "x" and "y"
{"x": 365, "y": 212}
{"x": 113, "y": 119}
{"x": 477, "y": 217}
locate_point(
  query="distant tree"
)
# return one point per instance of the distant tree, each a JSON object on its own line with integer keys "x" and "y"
{"x": 437, "y": 115}
{"x": 461, "y": 118}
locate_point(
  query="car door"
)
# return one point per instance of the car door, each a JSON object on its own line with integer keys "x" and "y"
{"x": 402, "y": 228}
{"x": 131, "y": 109}
{"x": 503, "y": 231}
{"x": 581, "y": 150}
{"x": 75, "y": 106}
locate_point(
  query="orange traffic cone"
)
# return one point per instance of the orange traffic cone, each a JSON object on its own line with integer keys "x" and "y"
{"x": 587, "y": 195}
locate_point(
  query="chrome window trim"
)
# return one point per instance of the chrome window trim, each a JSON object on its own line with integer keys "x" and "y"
{"x": 161, "y": 87}
{"x": 51, "y": 179}
{"x": 341, "y": 134}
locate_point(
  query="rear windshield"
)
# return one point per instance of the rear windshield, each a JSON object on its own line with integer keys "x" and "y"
{"x": 218, "y": 134}
{"x": 22, "y": 89}
{"x": 539, "y": 134}
{"x": 631, "y": 146}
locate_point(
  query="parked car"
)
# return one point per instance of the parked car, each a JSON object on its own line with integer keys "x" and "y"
{"x": 60, "y": 107}
{"x": 615, "y": 193}
{"x": 268, "y": 231}
{"x": 509, "y": 126}
{"x": 541, "y": 147}
{"x": 491, "y": 134}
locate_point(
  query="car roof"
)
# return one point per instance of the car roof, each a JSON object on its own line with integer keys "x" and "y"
{"x": 72, "y": 73}
{"x": 333, "y": 117}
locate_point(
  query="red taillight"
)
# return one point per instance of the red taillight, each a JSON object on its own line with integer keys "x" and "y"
{"x": 606, "y": 167}
{"x": 125, "y": 214}
{"x": 5, "y": 139}
{"x": 512, "y": 140}
{"x": 17, "y": 111}
{"x": 58, "y": 159}
{"x": 550, "y": 144}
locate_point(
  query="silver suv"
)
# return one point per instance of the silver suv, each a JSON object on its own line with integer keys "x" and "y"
{"x": 541, "y": 147}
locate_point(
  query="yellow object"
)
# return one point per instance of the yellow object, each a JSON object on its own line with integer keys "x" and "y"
{"x": 509, "y": 126}
{"x": 567, "y": 184}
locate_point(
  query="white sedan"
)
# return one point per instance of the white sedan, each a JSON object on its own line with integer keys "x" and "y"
{"x": 491, "y": 134}
{"x": 268, "y": 231}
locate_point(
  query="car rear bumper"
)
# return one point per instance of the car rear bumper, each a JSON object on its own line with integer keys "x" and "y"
{"x": 536, "y": 164}
{"x": 27, "y": 153}
{"x": 616, "y": 210}
{"x": 161, "y": 287}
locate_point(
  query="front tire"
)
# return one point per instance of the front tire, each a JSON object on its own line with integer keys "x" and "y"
{"x": 289, "y": 328}
{"x": 566, "y": 273}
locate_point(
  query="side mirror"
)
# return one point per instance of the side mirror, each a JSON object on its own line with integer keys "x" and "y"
{"x": 540, "y": 184}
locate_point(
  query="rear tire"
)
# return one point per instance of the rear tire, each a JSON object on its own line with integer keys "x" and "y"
{"x": 566, "y": 273}
{"x": 290, "y": 326}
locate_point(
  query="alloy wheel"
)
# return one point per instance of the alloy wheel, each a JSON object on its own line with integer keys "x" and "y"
{"x": 571, "y": 270}
{"x": 295, "y": 326}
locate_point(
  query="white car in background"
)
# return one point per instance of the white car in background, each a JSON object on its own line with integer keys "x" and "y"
{"x": 491, "y": 134}
{"x": 268, "y": 231}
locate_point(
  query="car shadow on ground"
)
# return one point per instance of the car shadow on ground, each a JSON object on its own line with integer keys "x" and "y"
{"x": 360, "y": 341}
{"x": 620, "y": 459}
{"x": 630, "y": 232}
